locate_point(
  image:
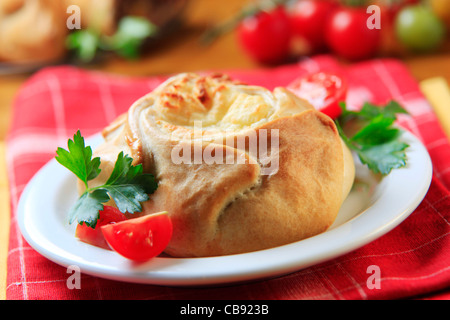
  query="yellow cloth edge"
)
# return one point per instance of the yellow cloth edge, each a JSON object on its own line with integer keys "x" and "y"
{"x": 437, "y": 92}
{"x": 4, "y": 219}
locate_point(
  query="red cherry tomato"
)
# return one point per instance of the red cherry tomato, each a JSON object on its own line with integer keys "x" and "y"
{"x": 308, "y": 18}
{"x": 323, "y": 90}
{"x": 95, "y": 236}
{"x": 140, "y": 239}
{"x": 348, "y": 36}
{"x": 266, "y": 36}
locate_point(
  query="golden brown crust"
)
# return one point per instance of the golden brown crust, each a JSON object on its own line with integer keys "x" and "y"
{"x": 301, "y": 200}
{"x": 228, "y": 207}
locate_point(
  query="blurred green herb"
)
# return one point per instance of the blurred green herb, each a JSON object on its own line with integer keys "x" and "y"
{"x": 375, "y": 139}
{"x": 84, "y": 43}
{"x": 131, "y": 33}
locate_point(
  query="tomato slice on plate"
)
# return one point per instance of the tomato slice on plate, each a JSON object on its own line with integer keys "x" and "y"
{"x": 94, "y": 236}
{"x": 140, "y": 239}
{"x": 323, "y": 90}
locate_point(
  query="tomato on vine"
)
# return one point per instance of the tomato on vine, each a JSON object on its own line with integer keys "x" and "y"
{"x": 308, "y": 18}
{"x": 419, "y": 29}
{"x": 347, "y": 33}
{"x": 266, "y": 35}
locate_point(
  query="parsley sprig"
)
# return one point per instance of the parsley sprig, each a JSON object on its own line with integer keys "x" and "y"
{"x": 127, "y": 185}
{"x": 375, "y": 139}
{"x": 127, "y": 41}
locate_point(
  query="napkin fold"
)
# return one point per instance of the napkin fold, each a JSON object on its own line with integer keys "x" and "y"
{"x": 413, "y": 259}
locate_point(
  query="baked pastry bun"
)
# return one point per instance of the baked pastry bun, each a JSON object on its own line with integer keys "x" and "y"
{"x": 240, "y": 168}
{"x": 32, "y": 31}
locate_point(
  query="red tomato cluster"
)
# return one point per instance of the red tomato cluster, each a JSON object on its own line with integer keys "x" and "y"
{"x": 313, "y": 26}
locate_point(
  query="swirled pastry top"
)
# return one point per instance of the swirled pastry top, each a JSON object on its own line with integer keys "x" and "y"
{"x": 228, "y": 207}
{"x": 218, "y": 102}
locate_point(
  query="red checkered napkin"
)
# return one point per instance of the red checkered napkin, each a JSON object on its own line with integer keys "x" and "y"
{"x": 414, "y": 258}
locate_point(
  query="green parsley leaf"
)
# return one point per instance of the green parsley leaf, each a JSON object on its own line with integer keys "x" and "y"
{"x": 79, "y": 159}
{"x": 378, "y": 131}
{"x": 123, "y": 170}
{"x": 124, "y": 186}
{"x": 84, "y": 43}
{"x": 87, "y": 207}
{"x": 377, "y": 141}
{"x": 384, "y": 157}
{"x": 127, "y": 185}
{"x": 131, "y": 33}
{"x": 370, "y": 111}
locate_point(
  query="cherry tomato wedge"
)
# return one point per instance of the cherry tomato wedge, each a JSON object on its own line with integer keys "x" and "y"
{"x": 323, "y": 90}
{"x": 140, "y": 239}
{"x": 95, "y": 236}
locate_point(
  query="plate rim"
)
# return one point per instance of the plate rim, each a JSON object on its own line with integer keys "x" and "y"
{"x": 141, "y": 274}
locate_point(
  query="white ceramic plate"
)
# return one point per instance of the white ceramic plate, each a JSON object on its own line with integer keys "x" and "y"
{"x": 372, "y": 209}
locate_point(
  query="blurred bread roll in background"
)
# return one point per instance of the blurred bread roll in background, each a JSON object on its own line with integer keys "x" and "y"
{"x": 32, "y": 31}
{"x": 35, "y": 31}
